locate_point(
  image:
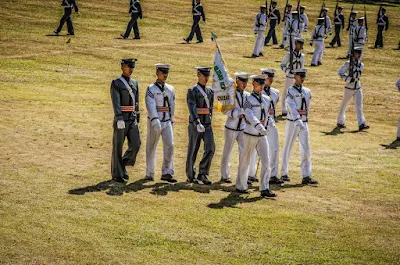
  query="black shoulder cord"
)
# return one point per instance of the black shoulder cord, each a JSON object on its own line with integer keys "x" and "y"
{"x": 166, "y": 101}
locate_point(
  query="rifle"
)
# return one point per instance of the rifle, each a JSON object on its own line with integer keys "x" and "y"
{"x": 322, "y": 8}
{"x": 284, "y": 11}
{"x": 365, "y": 19}
{"x": 336, "y": 7}
{"x": 352, "y": 9}
{"x": 379, "y": 13}
{"x": 298, "y": 15}
{"x": 269, "y": 8}
{"x": 266, "y": 7}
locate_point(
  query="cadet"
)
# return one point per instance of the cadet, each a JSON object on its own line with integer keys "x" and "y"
{"x": 292, "y": 29}
{"x": 360, "y": 34}
{"x": 318, "y": 36}
{"x": 288, "y": 67}
{"x": 350, "y": 28}
{"x": 303, "y": 20}
{"x": 298, "y": 103}
{"x": 255, "y": 139}
{"x": 68, "y": 5}
{"x": 160, "y": 104}
{"x": 274, "y": 18}
{"x": 328, "y": 23}
{"x": 200, "y": 100}
{"x": 272, "y": 132}
{"x": 351, "y": 74}
{"x": 234, "y": 126}
{"x": 339, "y": 25}
{"x": 285, "y": 19}
{"x": 136, "y": 12}
{"x": 125, "y": 101}
{"x": 260, "y": 23}
{"x": 198, "y": 12}
{"x": 383, "y": 23}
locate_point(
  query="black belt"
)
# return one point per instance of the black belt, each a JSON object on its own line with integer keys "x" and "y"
{"x": 259, "y": 135}
{"x": 296, "y": 120}
{"x": 236, "y": 130}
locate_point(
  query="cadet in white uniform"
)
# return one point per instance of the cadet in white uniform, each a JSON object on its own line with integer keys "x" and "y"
{"x": 290, "y": 62}
{"x": 328, "y": 22}
{"x": 286, "y": 15}
{"x": 350, "y": 28}
{"x": 318, "y": 36}
{"x": 160, "y": 104}
{"x": 260, "y": 24}
{"x": 272, "y": 131}
{"x": 298, "y": 101}
{"x": 350, "y": 72}
{"x": 256, "y": 111}
{"x": 360, "y": 35}
{"x": 234, "y": 126}
{"x": 292, "y": 29}
{"x": 303, "y": 21}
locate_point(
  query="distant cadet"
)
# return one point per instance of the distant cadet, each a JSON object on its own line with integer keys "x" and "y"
{"x": 350, "y": 72}
{"x": 256, "y": 110}
{"x": 68, "y": 6}
{"x": 318, "y": 36}
{"x": 135, "y": 9}
{"x": 274, "y": 17}
{"x": 327, "y": 20}
{"x": 350, "y": 28}
{"x": 125, "y": 100}
{"x": 383, "y": 24}
{"x": 339, "y": 26}
{"x": 291, "y": 61}
{"x": 198, "y": 13}
{"x": 160, "y": 104}
{"x": 234, "y": 125}
{"x": 260, "y": 24}
{"x": 360, "y": 35}
{"x": 292, "y": 29}
{"x": 286, "y": 16}
{"x": 303, "y": 21}
{"x": 200, "y": 100}
{"x": 298, "y": 102}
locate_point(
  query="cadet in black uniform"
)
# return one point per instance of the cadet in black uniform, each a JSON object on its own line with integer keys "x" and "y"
{"x": 383, "y": 23}
{"x": 200, "y": 100}
{"x": 125, "y": 100}
{"x": 274, "y": 17}
{"x": 68, "y": 5}
{"x": 198, "y": 12}
{"x": 339, "y": 25}
{"x": 136, "y": 12}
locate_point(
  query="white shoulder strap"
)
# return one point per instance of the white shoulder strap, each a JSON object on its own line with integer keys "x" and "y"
{"x": 129, "y": 88}
{"x": 204, "y": 95}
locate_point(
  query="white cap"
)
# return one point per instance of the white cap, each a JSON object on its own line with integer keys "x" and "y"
{"x": 242, "y": 75}
{"x": 163, "y": 65}
{"x": 268, "y": 71}
{"x": 300, "y": 70}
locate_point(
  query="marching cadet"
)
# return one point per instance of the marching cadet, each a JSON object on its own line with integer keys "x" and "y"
{"x": 135, "y": 10}
{"x": 303, "y": 20}
{"x": 288, "y": 67}
{"x": 339, "y": 25}
{"x": 200, "y": 100}
{"x": 125, "y": 100}
{"x": 360, "y": 34}
{"x": 260, "y": 24}
{"x": 285, "y": 19}
{"x": 160, "y": 104}
{"x": 292, "y": 28}
{"x": 198, "y": 12}
{"x": 298, "y": 103}
{"x": 272, "y": 131}
{"x": 328, "y": 23}
{"x": 274, "y": 18}
{"x": 318, "y": 36}
{"x": 68, "y": 6}
{"x": 234, "y": 126}
{"x": 350, "y": 28}
{"x": 256, "y": 110}
{"x": 383, "y": 23}
{"x": 351, "y": 74}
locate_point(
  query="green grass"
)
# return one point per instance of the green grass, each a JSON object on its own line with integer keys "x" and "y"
{"x": 55, "y": 146}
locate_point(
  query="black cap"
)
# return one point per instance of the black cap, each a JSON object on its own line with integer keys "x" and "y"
{"x": 130, "y": 62}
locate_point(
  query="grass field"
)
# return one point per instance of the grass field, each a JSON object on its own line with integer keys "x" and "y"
{"x": 57, "y": 205}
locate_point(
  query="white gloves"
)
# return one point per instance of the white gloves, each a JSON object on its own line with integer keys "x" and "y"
{"x": 121, "y": 124}
{"x": 200, "y": 127}
{"x": 300, "y": 124}
{"x": 261, "y": 129}
{"x": 156, "y": 124}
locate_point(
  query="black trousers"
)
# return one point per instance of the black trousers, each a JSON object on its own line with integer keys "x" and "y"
{"x": 336, "y": 39}
{"x": 194, "y": 144}
{"x": 271, "y": 34}
{"x": 118, "y": 162}
{"x": 195, "y": 29}
{"x": 66, "y": 18}
{"x": 379, "y": 37}
{"x": 133, "y": 23}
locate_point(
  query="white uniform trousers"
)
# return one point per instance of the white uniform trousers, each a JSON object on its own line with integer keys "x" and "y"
{"x": 251, "y": 143}
{"x": 289, "y": 82}
{"x": 231, "y": 137}
{"x": 273, "y": 143}
{"x": 168, "y": 147}
{"x": 358, "y": 102}
{"x": 291, "y": 133}
{"x": 259, "y": 46}
{"x": 318, "y": 52}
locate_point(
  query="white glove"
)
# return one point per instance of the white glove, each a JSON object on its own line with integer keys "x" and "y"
{"x": 156, "y": 124}
{"x": 261, "y": 129}
{"x": 300, "y": 124}
{"x": 200, "y": 128}
{"x": 121, "y": 124}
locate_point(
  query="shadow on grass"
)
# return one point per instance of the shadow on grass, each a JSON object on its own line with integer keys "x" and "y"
{"x": 393, "y": 145}
{"x": 336, "y": 131}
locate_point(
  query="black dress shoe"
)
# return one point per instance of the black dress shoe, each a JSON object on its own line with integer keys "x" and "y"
{"x": 313, "y": 65}
{"x": 149, "y": 178}
{"x": 340, "y": 126}
{"x": 203, "y": 178}
{"x": 199, "y": 41}
{"x": 187, "y": 41}
{"x": 56, "y": 33}
{"x": 242, "y": 191}
{"x": 136, "y": 38}
{"x": 267, "y": 193}
{"x": 226, "y": 180}
{"x": 252, "y": 179}
{"x": 308, "y": 180}
{"x": 71, "y": 34}
{"x": 363, "y": 127}
{"x": 285, "y": 178}
{"x": 319, "y": 63}
{"x": 126, "y": 177}
{"x": 254, "y": 56}
{"x": 194, "y": 181}
{"x": 121, "y": 180}
{"x": 261, "y": 54}
{"x": 169, "y": 178}
{"x": 123, "y": 36}
{"x": 275, "y": 180}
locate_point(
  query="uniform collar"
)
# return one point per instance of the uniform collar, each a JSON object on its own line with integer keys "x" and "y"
{"x": 298, "y": 87}
{"x": 126, "y": 78}
{"x": 203, "y": 87}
